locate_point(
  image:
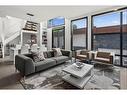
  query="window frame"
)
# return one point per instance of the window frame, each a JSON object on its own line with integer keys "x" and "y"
{"x": 62, "y": 27}
{"x": 121, "y": 34}
{"x": 52, "y": 26}
{"x": 86, "y": 31}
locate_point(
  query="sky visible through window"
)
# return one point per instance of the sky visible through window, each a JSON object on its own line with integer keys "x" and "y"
{"x": 80, "y": 23}
{"x": 110, "y": 19}
{"x": 56, "y": 21}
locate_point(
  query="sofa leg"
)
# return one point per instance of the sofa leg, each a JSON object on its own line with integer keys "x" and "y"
{"x": 24, "y": 79}
{"x": 16, "y": 70}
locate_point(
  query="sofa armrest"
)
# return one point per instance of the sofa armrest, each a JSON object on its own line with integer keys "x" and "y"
{"x": 111, "y": 59}
{"x": 67, "y": 53}
{"x": 24, "y": 64}
{"x": 78, "y": 52}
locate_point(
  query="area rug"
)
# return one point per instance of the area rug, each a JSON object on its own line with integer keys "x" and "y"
{"x": 105, "y": 77}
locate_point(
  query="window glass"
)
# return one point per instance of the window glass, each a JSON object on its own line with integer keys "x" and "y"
{"x": 56, "y": 22}
{"x": 79, "y": 31}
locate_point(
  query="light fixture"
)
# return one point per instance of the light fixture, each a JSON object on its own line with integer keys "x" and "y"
{"x": 29, "y": 16}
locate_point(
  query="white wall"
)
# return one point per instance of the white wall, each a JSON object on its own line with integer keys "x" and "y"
{"x": 43, "y": 27}
{"x": 12, "y": 25}
{"x": 49, "y": 38}
{"x": 0, "y": 28}
{"x": 67, "y": 34}
{"x": 89, "y": 33}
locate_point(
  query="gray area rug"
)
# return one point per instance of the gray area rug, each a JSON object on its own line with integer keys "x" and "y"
{"x": 105, "y": 77}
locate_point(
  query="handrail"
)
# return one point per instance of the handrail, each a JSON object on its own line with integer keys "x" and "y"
{"x": 11, "y": 34}
{"x": 12, "y": 37}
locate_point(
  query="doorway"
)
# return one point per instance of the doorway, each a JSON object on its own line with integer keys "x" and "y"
{"x": 58, "y": 38}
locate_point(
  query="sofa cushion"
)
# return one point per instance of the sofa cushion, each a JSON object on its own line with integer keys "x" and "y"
{"x": 83, "y": 56}
{"x": 60, "y": 59}
{"x": 42, "y": 65}
{"x": 103, "y": 54}
{"x": 99, "y": 59}
{"x": 84, "y": 52}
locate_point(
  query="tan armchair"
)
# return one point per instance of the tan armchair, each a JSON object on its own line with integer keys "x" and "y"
{"x": 103, "y": 57}
{"x": 82, "y": 54}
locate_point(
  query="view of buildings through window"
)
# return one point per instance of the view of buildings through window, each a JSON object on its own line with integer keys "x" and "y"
{"x": 107, "y": 34}
{"x": 79, "y": 30}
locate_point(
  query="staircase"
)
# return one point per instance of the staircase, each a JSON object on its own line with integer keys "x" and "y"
{"x": 12, "y": 37}
{"x": 11, "y": 28}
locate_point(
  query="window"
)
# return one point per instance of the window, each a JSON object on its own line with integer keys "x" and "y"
{"x": 109, "y": 33}
{"x": 58, "y": 38}
{"x": 124, "y": 38}
{"x": 56, "y": 22}
{"x": 106, "y": 27}
{"x": 79, "y": 33}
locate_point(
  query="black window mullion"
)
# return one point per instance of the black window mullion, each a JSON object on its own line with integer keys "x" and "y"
{"x": 121, "y": 38}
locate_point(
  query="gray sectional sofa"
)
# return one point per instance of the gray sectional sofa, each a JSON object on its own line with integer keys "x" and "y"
{"x": 26, "y": 66}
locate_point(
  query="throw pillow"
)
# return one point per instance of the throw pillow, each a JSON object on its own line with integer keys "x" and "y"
{"x": 35, "y": 57}
{"x": 45, "y": 54}
{"x": 41, "y": 56}
{"x": 49, "y": 54}
{"x": 38, "y": 56}
{"x": 84, "y": 52}
{"x": 57, "y": 52}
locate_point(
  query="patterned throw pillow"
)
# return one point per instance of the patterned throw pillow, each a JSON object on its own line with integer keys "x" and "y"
{"x": 35, "y": 57}
{"x": 45, "y": 54}
{"x": 38, "y": 56}
{"x": 57, "y": 52}
{"x": 41, "y": 56}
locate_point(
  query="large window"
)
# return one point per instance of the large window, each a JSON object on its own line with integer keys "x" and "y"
{"x": 110, "y": 34}
{"x": 124, "y": 37}
{"x": 106, "y": 27}
{"x": 79, "y": 33}
{"x": 56, "y": 22}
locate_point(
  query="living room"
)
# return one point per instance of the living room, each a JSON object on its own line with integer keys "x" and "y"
{"x": 63, "y": 47}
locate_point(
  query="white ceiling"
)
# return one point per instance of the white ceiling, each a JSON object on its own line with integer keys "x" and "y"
{"x": 47, "y": 12}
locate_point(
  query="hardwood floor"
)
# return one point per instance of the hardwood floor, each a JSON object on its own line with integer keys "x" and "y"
{"x": 9, "y": 79}
{"x": 123, "y": 78}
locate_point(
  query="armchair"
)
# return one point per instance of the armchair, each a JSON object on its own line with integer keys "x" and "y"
{"x": 103, "y": 57}
{"x": 82, "y": 54}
